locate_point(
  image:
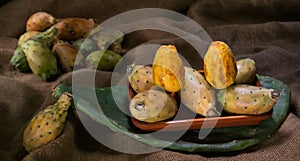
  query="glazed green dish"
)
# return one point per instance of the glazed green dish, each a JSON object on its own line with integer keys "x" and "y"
{"x": 219, "y": 140}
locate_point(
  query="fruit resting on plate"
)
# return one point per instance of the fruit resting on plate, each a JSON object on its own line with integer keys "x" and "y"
{"x": 153, "y": 106}
{"x": 168, "y": 70}
{"x": 140, "y": 78}
{"x": 247, "y": 99}
{"x": 198, "y": 95}
{"x": 225, "y": 83}
{"x": 219, "y": 66}
{"x": 246, "y": 71}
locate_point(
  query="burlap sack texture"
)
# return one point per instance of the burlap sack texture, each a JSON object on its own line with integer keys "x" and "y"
{"x": 266, "y": 31}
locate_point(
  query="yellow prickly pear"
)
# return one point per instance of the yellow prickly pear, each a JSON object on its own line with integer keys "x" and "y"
{"x": 219, "y": 66}
{"x": 167, "y": 69}
{"x": 140, "y": 78}
{"x": 247, "y": 99}
{"x": 198, "y": 95}
{"x": 153, "y": 106}
{"x": 47, "y": 124}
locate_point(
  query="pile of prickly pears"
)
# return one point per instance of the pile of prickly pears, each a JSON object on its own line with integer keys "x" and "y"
{"x": 225, "y": 86}
{"x": 51, "y": 46}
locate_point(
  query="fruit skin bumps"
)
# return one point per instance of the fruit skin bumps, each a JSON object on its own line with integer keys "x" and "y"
{"x": 168, "y": 69}
{"x": 247, "y": 99}
{"x": 140, "y": 78}
{"x": 198, "y": 95}
{"x": 47, "y": 124}
{"x": 219, "y": 66}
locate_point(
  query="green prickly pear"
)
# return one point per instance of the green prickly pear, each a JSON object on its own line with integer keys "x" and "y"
{"x": 85, "y": 46}
{"x": 47, "y": 125}
{"x": 108, "y": 37}
{"x": 19, "y": 61}
{"x": 140, "y": 78}
{"x": 102, "y": 60}
{"x": 247, "y": 99}
{"x": 27, "y": 35}
{"x": 246, "y": 71}
{"x": 153, "y": 106}
{"x": 47, "y": 37}
{"x": 198, "y": 95}
{"x": 40, "y": 59}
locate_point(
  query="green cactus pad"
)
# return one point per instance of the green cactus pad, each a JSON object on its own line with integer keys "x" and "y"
{"x": 219, "y": 140}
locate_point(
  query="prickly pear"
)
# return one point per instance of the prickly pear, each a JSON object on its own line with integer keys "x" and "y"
{"x": 85, "y": 46}
{"x": 47, "y": 37}
{"x": 67, "y": 56}
{"x": 198, "y": 95}
{"x": 27, "y": 35}
{"x": 167, "y": 69}
{"x": 219, "y": 66}
{"x": 40, "y": 59}
{"x": 108, "y": 37}
{"x": 153, "y": 106}
{"x": 140, "y": 78}
{"x": 247, "y": 99}
{"x": 73, "y": 28}
{"x": 47, "y": 125}
{"x": 246, "y": 71}
{"x": 40, "y": 21}
{"x": 102, "y": 60}
{"x": 19, "y": 61}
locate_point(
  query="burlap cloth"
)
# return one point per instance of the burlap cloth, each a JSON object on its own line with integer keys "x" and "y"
{"x": 267, "y": 31}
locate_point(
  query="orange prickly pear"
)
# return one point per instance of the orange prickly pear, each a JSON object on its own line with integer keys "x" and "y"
{"x": 219, "y": 66}
{"x": 167, "y": 69}
{"x": 40, "y": 21}
{"x": 67, "y": 56}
